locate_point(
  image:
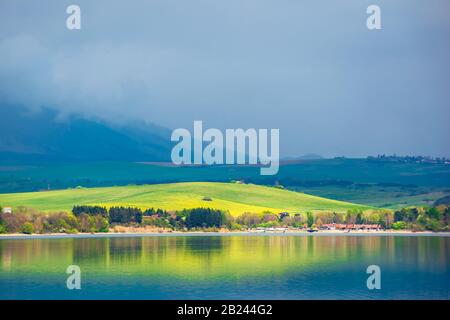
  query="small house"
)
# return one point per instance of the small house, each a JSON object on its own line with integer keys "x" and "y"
{"x": 7, "y": 210}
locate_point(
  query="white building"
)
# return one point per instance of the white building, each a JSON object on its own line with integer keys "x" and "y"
{"x": 7, "y": 210}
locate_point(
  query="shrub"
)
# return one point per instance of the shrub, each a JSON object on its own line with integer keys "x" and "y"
{"x": 433, "y": 225}
{"x": 157, "y": 222}
{"x": 338, "y": 217}
{"x": 27, "y": 228}
{"x": 399, "y": 225}
{"x": 38, "y": 222}
{"x": 309, "y": 219}
{"x": 177, "y": 222}
{"x": 13, "y": 222}
{"x": 268, "y": 216}
{"x": 249, "y": 219}
{"x": 295, "y": 221}
{"x": 100, "y": 224}
{"x": 60, "y": 222}
{"x": 236, "y": 226}
{"x": 433, "y": 213}
{"x": 418, "y": 227}
{"x": 269, "y": 224}
{"x": 325, "y": 217}
{"x": 400, "y": 215}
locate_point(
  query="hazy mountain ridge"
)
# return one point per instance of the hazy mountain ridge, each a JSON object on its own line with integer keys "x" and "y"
{"x": 26, "y": 136}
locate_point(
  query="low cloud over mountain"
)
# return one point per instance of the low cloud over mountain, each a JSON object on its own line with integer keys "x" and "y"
{"x": 43, "y": 136}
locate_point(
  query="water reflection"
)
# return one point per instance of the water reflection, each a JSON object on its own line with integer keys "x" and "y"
{"x": 195, "y": 257}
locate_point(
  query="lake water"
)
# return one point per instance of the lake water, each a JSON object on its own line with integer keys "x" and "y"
{"x": 227, "y": 267}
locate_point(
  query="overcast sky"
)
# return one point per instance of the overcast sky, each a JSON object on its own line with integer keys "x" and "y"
{"x": 310, "y": 68}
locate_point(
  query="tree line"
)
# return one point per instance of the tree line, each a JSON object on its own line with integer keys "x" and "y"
{"x": 419, "y": 219}
{"x": 100, "y": 219}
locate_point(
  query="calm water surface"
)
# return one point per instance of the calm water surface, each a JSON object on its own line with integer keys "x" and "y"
{"x": 227, "y": 267}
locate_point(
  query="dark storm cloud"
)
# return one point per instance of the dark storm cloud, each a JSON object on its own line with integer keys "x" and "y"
{"x": 310, "y": 68}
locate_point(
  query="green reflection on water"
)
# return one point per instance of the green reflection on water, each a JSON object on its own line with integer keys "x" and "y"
{"x": 202, "y": 257}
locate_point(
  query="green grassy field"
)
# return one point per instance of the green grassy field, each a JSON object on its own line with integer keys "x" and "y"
{"x": 372, "y": 183}
{"x": 394, "y": 197}
{"x": 234, "y": 197}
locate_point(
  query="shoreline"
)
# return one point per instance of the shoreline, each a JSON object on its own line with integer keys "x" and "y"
{"x": 19, "y": 236}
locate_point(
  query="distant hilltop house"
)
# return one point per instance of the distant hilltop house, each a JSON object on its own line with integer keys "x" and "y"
{"x": 7, "y": 210}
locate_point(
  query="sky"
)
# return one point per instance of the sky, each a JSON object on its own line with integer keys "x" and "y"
{"x": 309, "y": 68}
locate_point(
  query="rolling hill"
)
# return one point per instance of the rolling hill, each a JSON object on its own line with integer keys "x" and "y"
{"x": 234, "y": 197}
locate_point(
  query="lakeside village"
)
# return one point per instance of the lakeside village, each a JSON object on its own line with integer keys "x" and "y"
{"x": 97, "y": 219}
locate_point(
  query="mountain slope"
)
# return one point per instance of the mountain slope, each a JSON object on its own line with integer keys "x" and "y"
{"x": 234, "y": 197}
{"x": 28, "y": 136}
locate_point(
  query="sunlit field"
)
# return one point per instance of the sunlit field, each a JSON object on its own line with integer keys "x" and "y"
{"x": 233, "y": 197}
